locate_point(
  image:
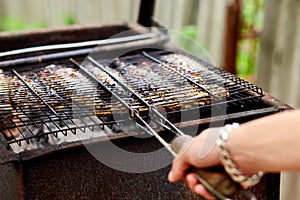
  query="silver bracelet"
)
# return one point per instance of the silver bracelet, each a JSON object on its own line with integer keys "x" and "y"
{"x": 227, "y": 160}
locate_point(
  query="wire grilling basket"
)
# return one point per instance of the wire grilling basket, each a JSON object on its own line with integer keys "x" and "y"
{"x": 41, "y": 105}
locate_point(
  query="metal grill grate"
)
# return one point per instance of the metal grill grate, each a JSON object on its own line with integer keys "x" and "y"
{"x": 39, "y": 106}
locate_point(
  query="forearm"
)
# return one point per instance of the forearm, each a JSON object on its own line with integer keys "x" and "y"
{"x": 269, "y": 144}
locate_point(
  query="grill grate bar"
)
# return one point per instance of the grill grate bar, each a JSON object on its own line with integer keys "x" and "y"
{"x": 42, "y": 122}
{"x": 101, "y": 84}
{"x": 127, "y": 88}
{"x": 88, "y": 97}
{"x": 123, "y": 85}
{"x": 42, "y": 100}
{"x": 182, "y": 75}
{"x": 161, "y": 90}
{"x": 134, "y": 113}
{"x": 65, "y": 130}
{"x": 212, "y": 75}
{"x": 34, "y": 92}
{"x": 61, "y": 104}
{"x": 64, "y": 103}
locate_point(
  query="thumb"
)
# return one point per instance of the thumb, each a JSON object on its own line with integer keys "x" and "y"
{"x": 178, "y": 171}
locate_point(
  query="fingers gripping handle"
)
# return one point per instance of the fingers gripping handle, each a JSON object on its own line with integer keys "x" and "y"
{"x": 214, "y": 179}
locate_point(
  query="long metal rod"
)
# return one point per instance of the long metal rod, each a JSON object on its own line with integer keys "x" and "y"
{"x": 128, "y": 89}
{"x": 153, "y": 132}
{"x": 177, "y": 72}
{"x": 109, "y": 41}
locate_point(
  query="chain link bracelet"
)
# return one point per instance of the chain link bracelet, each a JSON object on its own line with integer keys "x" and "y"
{"x": 231, "y": 168}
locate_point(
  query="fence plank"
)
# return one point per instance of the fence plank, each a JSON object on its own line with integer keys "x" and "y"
{"x": 87, "y": 13}
{"x": 294, "y": 95}
{"x": 179, "y": 13}
{"x": 134, "y": 10}
{"x": 279, "y": 66}
{"x": 279, "y": 53}
{"x": 268, "y": 36}
{"x": 164, "y": 11}
{"x": 211, "y": 21}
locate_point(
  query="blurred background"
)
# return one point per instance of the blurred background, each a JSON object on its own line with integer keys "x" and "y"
{"x": 258, "y": 40}
{"x": 202, "y": 20}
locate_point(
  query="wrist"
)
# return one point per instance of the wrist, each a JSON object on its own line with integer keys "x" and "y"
{"x": 207, "y": 155}
{"x": 228, "y": 160}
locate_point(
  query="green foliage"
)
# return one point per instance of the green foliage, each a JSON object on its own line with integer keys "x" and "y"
{"x": 10, "y": 23}
{"x": 248, "y": 47}
{"x": 186, "y": 40}
{"x": 246, "y": 63}
{"x": 69, "y": 20}
{"x": 190, "y": 31}
{"x": 252, "y": 14}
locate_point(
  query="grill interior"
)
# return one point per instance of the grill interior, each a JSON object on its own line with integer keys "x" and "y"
{"x": 66, "y": 101}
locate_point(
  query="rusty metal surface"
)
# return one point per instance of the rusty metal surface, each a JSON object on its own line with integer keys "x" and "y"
{"x": 71, "y": 34}
{"x": 76, "y": 174}
{"x": 272, "y": 101}
{"x": 25, "y": 39}
{"x": 11, "y": 184}
{"x": 73, "y": 173}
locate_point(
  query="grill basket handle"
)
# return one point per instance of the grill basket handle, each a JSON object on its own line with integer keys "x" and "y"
{"x": 214, "y": 179}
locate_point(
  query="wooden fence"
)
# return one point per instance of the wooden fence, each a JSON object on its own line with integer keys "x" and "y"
{"x": 279, "y": 67}
{"x": 207, "y": 15}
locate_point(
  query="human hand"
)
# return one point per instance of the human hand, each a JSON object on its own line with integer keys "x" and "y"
{"x": 200, "y": 152}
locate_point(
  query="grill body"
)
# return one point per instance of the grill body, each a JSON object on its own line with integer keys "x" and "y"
{"x": 69, "y": 171}
{"x": 75, "y": 174}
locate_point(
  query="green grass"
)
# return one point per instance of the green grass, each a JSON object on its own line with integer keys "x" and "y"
{"x": 68, "y": 20}
{"x": 11, "y": 23}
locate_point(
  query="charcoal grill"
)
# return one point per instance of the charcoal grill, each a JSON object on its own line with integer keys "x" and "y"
{"x": 58, "y": 102}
